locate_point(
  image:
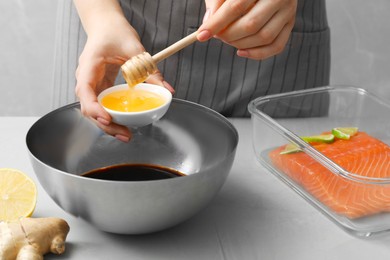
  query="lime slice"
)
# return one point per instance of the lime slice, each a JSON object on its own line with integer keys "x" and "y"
{"x": 326, "y": 138}
{"x": 290, "y": 148}
{"x": 344, "y": 132}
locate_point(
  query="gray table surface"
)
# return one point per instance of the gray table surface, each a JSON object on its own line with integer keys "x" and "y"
{"x": 254, "y": 216}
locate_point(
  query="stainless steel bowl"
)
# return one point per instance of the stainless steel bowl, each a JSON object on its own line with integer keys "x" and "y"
{"x": 190, "y": 138}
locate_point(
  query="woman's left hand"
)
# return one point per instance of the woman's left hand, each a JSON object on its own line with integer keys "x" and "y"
{"x": 258, "y": 29}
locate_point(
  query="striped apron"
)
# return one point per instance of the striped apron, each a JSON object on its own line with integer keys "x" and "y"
{"x": 208, "y": 73}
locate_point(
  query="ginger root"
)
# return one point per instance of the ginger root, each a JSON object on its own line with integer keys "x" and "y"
{"x": 31, "y": 238}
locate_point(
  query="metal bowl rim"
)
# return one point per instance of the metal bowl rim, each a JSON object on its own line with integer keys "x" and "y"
{"x": 77, "y": 105}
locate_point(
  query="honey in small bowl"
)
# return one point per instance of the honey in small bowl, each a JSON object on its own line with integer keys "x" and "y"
{"x": 135, "y": 106}
{"x": 132, "y": 100}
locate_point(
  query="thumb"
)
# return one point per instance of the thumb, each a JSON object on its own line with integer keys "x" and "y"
{"x": 158, "y": 79}
{"x": 211, "y": 7}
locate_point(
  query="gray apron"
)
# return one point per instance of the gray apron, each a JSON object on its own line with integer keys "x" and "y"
{"x": 207, "y": 73}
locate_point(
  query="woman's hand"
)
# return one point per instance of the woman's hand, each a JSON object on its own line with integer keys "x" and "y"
{"x": 258, "y": 29}
{"x": 111, "y": 42}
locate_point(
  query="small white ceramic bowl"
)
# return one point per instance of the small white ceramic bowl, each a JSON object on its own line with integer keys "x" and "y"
{"x": 142, "y": 118}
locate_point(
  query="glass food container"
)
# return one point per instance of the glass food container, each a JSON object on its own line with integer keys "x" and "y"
{"x": 282, "y": 119}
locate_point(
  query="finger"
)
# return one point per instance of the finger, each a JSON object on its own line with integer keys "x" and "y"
{"x": 88, "y": 75}
{"x": 211, "y": 7}
{"x": 111, "y": 71}
{"x": 89, "y": 104}
{"x": 229, "y": 11}
{"x": 268, "y": 33}
{"x": 120, "y": 132}
{"x": 267, "y": 51}
{"x": 158, "y": 79}
{"x": 257, "y": 17}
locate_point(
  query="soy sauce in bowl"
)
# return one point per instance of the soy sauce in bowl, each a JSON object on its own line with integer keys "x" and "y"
{"x": 133, "y": 172}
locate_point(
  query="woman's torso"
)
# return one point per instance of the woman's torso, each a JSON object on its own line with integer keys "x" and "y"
{"x": 211, "y": 73}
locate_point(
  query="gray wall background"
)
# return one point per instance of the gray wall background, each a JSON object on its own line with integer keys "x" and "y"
{"x": 360, "y": 51}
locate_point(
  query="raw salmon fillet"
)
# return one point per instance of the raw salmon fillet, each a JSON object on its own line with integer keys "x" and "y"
{"x": 362, "y": 154}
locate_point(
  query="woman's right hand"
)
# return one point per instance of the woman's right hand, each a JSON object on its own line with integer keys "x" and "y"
{"x": 258, "y": 29}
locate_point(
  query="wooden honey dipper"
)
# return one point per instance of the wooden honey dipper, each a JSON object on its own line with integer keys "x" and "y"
{"x": 138, "y": 68}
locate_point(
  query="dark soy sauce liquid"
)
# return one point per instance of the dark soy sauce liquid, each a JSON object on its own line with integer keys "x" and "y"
{"x": 133, "y": 172}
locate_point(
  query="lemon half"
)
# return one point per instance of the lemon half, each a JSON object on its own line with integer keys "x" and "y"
{"x": 18, "y": 195}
